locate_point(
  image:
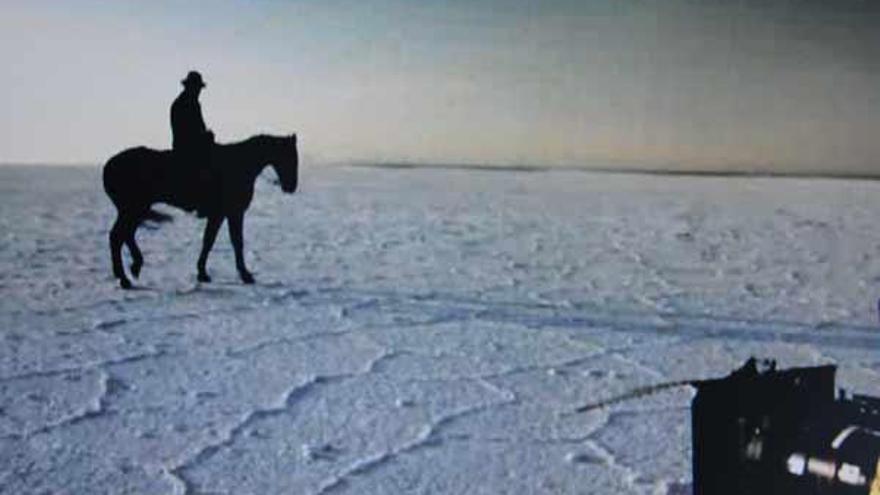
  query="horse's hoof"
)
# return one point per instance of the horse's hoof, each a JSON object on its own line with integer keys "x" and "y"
{"x": 204, "y": 277}
{"x": 135, "y": 270}
{"x": 247, "y": 278}
{"x": 125, "y": 283}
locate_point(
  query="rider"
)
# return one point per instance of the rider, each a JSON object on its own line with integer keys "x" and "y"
{"x": 191, "y": 140}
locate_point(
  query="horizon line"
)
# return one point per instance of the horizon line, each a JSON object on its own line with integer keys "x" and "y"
{"x": 627, "y": 170}
{"x": 525, "y": 168}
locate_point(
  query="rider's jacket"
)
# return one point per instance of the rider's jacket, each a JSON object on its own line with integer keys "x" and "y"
{"x": 187, "y": 125}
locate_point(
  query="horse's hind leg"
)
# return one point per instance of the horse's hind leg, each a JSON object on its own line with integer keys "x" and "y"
{"x": 137, "y": 258}
{"x": 117, "y": 237}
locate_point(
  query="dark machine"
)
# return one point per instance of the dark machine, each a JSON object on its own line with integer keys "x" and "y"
{"x": 783, "y": 432}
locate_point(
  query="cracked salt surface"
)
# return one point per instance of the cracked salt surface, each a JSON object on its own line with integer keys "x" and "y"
{"x": 416, "y": 331}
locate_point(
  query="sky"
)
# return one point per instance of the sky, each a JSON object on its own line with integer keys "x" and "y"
{"x": 757, "y": 85}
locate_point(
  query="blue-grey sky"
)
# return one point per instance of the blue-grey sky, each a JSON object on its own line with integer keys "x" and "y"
{"x": 713, "y": 84}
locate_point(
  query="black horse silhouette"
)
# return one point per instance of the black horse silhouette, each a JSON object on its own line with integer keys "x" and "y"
{"x": 137, "y": 178}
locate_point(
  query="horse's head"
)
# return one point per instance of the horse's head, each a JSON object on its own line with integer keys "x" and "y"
{"x": 286, "y": 163}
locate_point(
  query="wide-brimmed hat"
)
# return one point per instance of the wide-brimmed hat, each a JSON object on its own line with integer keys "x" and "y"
{"x": 193, "y": 79}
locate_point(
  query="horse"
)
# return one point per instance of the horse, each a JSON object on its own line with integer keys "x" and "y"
{"x": 137, "y": 178}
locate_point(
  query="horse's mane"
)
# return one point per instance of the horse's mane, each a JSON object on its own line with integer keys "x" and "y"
{"x": 259, "y": 140}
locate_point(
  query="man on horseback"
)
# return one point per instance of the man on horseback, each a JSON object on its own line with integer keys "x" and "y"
{"x": 192, "y": 141}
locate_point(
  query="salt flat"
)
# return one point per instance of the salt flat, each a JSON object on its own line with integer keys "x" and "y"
{"x": 416, "y": 330}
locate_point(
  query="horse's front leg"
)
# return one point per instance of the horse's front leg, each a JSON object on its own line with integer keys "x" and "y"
{"x": 211, "y": 229}
{"x": 236, "y": 225}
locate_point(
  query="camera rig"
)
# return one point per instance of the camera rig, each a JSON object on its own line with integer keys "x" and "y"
{"x": 783, "y": 432}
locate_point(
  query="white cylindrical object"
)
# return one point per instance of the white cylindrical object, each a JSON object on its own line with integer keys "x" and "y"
{"x": 822, "y": 468}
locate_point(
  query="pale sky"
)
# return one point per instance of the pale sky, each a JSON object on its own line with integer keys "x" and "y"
{"x": 714, "y": 84}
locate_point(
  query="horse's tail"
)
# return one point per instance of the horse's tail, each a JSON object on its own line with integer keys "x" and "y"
{"x": 152, "y": 215}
